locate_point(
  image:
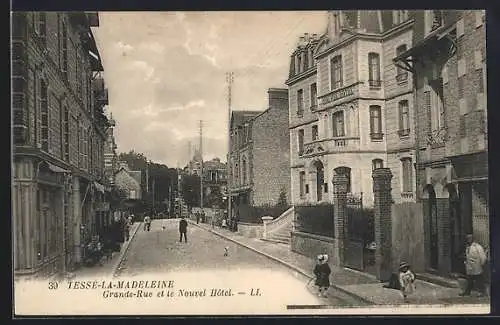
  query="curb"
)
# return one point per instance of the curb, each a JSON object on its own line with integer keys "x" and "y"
{"x": 291, "y": 266}
{"x": 116, "y": 267}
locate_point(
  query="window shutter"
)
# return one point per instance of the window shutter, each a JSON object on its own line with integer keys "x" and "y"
{"x": 462, "y": 127}
{"x": 400, "y": 114}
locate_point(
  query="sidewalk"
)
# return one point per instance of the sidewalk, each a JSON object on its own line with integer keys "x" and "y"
{"x": 109, "y": 267}
{"x": 357, "y": 284}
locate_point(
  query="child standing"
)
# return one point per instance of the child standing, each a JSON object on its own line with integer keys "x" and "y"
{"x": 406, "y": 280}
{"x": 322, "y": 272}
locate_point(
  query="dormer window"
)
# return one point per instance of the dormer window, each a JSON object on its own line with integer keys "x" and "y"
{"x": 433, "y": 20}
{"x": 399, "y": 16}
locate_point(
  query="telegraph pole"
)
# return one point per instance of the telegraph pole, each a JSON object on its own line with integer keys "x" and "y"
{"x": 201, "y": 165}
{"x": 229, "y": 80}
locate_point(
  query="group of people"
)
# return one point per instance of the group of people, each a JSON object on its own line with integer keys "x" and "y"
{"x": 404, "y": 280}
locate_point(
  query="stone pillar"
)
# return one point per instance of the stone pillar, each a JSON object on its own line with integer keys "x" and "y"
{"x": 313, "y": 186}
{"x": 77, "y": 220}
{"x": 265, "y": 220}
{"x": 339, "y": 209}
{"x": 383, "y": 222}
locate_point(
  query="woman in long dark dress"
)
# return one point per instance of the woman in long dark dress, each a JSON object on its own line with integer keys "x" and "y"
{"x": 322, "y": 272}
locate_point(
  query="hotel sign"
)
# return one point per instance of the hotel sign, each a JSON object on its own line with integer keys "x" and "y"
{"x": 336, "y": 95}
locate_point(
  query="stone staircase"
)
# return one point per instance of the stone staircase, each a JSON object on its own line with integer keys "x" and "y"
{"x": 279, "y": 230}
{"x": 283, "y": 235}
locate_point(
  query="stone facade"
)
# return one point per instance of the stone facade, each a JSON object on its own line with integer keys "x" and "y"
{"x": 259, "y": 156}
{"x": 452, "y": 171}
{"x": 59, "y": 134}
{"x": 354, "y": 126}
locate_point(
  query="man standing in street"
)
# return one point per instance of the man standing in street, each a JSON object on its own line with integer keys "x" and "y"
{"x": 475, "y": 259}
{"x": 183, "y": 229}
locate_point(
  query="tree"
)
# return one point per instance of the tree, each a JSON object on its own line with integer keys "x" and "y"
{"x": 282, "y": 198}
{"x": 190, "y": 189}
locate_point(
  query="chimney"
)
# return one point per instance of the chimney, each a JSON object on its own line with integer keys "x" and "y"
{"x": 278, "y": 98}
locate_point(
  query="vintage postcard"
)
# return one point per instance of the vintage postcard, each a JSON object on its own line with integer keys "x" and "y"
{"x": 250, "y": 162}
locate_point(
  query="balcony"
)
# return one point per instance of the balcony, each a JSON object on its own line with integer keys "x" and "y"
{"x": 404, "y": 133}
{"x": 314, "y": 107}
{"x": 375, "y": 84}
{"x": 376, "y": 136}
{"x": 331, "y": 145}
{"x": 402, "y": 78}
{"x": 406, "y": 196}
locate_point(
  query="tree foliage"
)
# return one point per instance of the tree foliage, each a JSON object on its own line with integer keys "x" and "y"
{"x": 282, "y": 198}
{"x": 190, "y": 189}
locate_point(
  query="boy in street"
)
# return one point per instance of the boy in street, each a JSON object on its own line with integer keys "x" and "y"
{"x": 183, "y": 229}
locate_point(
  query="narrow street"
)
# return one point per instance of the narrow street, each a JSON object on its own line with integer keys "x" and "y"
{"x": 159, "y": 252}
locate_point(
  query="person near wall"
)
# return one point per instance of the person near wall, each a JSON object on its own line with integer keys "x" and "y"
{"x": 406, "y": 280}
{"x": 322, "y": 272}
{"x": 475, "y": 260}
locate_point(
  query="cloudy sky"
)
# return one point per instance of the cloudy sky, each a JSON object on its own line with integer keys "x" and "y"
{"x": 165, "y": 71}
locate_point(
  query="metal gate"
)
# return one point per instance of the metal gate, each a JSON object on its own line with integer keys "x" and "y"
{"x": 354, "y": 242}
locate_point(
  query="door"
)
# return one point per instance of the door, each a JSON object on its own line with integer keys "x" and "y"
{"x": 433, "y": 229}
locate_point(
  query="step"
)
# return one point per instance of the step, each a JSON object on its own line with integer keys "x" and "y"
{"x": 287, "y": 236}
{"x": 439, "y": 280}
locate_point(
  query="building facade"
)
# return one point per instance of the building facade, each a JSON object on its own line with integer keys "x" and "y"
{"x": 259, "y": 154}
{"x": 351, "y": 107}
{"x": 129, "y": 180}
{"x": 58, "y": 139}
{"x": 448, "y": 64}
{"x": 110, "y": 154}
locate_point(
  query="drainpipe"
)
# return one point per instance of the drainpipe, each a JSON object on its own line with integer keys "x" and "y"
{"x": 417, "y": 133}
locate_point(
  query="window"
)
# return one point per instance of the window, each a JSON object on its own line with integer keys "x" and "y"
{"x": 300, "y": 102}
{"x": 336, "y": 72}
{"x": 314, "y": 96}
{"x": 244, "y": 170}
{"x": 299, "y": 63}
{"x": 399, "y": 16}
{"x": 375, "y": 122}
{"x": 306, "y": 60}
{"x": 41, "y": 26}
{"x": 433, "y": 20}
{"x": 407, "y": 175}
{"x": 479, "y": 18}
{"x": 377, "y": 163}
{"x": 437, "y": 108}
{"x": 301, "y": 141}
{"x": 374, "y": 70}
{"x": 314, "y": 132}
{"x": 133, "y": 194}
{"x": 404, "y": 118}
{"x": 44, "y": 112}
{"x": 302, "y": 183}
{"x": 401, "y": 74}
{"x": 292, "y": 66}
{"x": 64, "y": 67}
{"x": 338, "y": 124}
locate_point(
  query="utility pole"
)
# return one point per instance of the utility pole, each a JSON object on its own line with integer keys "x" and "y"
{"x": 153, "y": 190}
{"x": 201, "y": 165}
{"x": 229, "y": 80}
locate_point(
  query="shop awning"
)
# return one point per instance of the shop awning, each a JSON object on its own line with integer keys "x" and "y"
{"x": 57, "y": 169}
{"x": 99, "y": 187}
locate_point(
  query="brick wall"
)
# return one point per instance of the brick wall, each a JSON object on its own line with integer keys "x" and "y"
{"x": 271, "y": 155}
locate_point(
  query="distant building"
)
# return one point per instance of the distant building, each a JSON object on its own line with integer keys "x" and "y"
{"x": 259, "y": 153}
{"x": 129, "y": 180}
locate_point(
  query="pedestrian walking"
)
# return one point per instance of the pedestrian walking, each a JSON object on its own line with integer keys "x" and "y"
{"x": 406, "y": 280}
{"x": 126, "y": 230}
{"x": 322, "y": 272}
{"x": 475, "y": 259}
{"x": 183, "y": 229}
{"x": 197, "y": 217}
{"x": 147, "y": 223}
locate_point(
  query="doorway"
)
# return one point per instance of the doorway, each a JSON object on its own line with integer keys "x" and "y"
{"x": 433, "y": 228}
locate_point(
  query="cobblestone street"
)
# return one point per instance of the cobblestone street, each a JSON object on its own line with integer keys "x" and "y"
{"x": 160, "y": 252}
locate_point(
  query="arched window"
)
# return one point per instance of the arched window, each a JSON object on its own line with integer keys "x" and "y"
{"x": 406, "y": 175}
{"x": 401, "y": 74}
{"x": 338, "y": 124}
{"x": 404, "y": 118}
{"x": 377, "y": 163}
{"x": 374, "y": 70}
{"x": 336, "y": 72}
{"x": 375, "y": 122}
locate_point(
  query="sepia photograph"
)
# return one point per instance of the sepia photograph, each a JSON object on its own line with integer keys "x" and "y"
{"x": 249, "y": 163}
